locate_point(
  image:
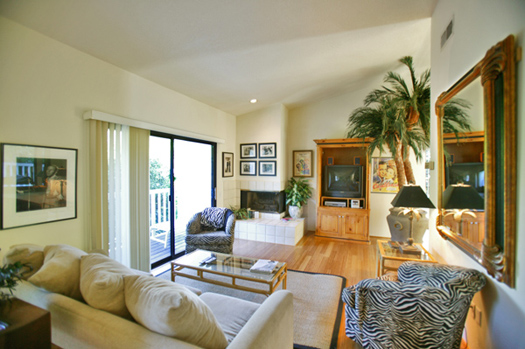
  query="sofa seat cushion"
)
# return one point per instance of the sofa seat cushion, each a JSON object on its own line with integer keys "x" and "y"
{"x": 28, "y": 254}
{"x": 61, "y": 271}
{"x": 172, "y": 310}
{"x": 102, "y": 283}
{"x": 231, "y": 313}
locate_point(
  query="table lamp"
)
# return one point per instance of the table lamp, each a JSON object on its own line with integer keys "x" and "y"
{"x": 461, "y": 199}
{"x": 411, "y": 198}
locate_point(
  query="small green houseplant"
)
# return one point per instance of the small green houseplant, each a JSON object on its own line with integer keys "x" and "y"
{"x": 10, "y": 275}
{"x": 240, "y": 213}
{"x": 298, "y": 191}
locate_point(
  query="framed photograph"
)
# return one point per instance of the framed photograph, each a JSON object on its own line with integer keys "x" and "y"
{"x": 39, "y": 185}
{"x": 249, "y": 151}
{"x": 267, "y": 168}
{"x": 248, "y": 168}
{"x": 384, "y": 175}
{"x": 227, "y": 164}
{"x": 302, "y": 163}
{"x": 267, "y": 150}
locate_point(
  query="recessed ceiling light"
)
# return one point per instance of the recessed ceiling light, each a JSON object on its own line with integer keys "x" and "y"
{"x": 254, "y": 100}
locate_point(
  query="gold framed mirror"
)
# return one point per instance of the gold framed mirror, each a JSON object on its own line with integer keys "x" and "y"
{"x": 481, "y": 163}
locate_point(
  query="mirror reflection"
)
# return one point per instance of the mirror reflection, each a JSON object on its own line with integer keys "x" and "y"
{"x": 463, "y": 143}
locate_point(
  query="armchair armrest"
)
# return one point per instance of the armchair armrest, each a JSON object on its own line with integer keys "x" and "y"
{"x": 194, "y": 224}
{"x": 230, "y": 225}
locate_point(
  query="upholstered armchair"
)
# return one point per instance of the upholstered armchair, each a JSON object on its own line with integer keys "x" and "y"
{"x": 212, "y": 230}
{"x": 426, "y": 308}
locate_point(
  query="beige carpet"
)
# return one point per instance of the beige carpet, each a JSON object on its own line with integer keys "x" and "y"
{"x": 317, "y": 305}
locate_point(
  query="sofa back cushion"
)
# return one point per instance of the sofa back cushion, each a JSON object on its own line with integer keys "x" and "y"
{"x": 61, "y": 271}
{"x": 28, "y": 254}
{"x": 172, "y": 310}
{"x": 102, "y": 283}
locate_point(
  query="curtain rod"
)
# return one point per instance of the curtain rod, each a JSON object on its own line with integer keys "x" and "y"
{"x": 98, "y": 115}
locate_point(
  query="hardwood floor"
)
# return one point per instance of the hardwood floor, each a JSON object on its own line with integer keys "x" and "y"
{"x": 354, "y": 261}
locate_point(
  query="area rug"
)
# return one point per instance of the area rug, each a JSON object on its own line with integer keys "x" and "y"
{"x": 317, "y": 304}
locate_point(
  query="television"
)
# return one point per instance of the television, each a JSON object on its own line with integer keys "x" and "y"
{"x": 471, "y": 173}
{"x": 343, "y": 181}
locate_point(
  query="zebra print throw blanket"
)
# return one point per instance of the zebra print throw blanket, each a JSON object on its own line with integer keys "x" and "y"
{"x": 213, "y": 217}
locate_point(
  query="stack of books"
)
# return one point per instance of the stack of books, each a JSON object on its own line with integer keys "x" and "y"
{"x": 264, "y": 266}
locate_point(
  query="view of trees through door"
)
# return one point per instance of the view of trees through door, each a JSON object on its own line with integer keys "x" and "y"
{"x": 191, "y": 164}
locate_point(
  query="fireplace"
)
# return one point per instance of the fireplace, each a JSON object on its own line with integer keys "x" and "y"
{"x": 264, "y": 201}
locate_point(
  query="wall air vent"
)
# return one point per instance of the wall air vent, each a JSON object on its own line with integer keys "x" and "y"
{"x": 447, "y": 33}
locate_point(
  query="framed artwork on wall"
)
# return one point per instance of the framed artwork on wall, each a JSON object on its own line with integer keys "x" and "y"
{"x": 267, "y": 168}
{"x": 39, "y": 185}
{"x": 302, "y": 163}
{"x": 227, "y": 164}
{"x": 248, "y": 168}
{"x": 267, "y": 150}
{"x": 249, "y": 151}
{"x": 384, "y": 175}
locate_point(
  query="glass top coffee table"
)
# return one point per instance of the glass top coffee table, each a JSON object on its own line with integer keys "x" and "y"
{"x": 232, "y": 267}
{"x": 387, "y": 253}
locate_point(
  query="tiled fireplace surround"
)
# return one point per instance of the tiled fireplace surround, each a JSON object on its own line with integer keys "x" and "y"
{"x": 269, "y": 226}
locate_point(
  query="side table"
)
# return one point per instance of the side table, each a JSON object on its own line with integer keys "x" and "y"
{"x": 29, "y": 326}
{"x": 387, "y": 253}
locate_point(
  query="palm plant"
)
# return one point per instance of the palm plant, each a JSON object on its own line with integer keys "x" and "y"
{"x": 398, "y": 117}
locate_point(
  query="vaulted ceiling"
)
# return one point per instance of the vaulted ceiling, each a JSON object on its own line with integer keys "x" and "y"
{"x": 226, "y": 52}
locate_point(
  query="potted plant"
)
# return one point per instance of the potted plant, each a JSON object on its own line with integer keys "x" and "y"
{"x": 298, "y": 191}
{"x": 240, "y": 213}
{"x": 10, "y": 275}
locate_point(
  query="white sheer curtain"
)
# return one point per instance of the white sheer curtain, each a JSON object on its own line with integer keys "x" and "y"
{"x": 112, "y": 152}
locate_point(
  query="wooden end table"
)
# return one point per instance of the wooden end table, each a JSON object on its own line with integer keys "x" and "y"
{"x": 387, "y": 253}
{"x": 29, "y": 326}
{"x": 233, "y": 267}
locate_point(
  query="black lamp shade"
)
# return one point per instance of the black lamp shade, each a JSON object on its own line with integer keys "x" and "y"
{"x": 412, "y": 196}
{"x": 462, "y": 197}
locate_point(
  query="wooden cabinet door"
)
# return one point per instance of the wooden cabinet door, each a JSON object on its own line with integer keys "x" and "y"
{"x": 354, "y": 226}
{"x": 328, "y": 224}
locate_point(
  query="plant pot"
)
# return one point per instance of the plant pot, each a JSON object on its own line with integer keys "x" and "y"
{"x": 400, "y": 225}
{"x": 295, "y": 212}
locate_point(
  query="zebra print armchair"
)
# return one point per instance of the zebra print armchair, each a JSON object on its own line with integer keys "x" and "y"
{"x": 212, "y": 230}
{"x": 426, "y": 308}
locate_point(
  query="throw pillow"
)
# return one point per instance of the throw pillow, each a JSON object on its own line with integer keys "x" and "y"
{"x": 61, "y": 271}
{"x": 172, "y": 310}
{"x": 32, "y": 255}
{"x": 102, "y": 283}
{"x": 213, "y": 217}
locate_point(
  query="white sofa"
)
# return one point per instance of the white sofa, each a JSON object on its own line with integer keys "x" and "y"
{"x": 76, "y": 324}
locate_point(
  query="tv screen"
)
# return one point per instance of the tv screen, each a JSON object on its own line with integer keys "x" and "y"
{"x": 471, "y": 173}
{"x": 343, "y": 181}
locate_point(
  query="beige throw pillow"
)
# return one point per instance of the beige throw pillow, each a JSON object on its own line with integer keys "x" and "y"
{"x": 172, "y": 310}
{"x": 61, "y": 271}
{"x": 29, "y": 254}
{"x": 102, "y": 283}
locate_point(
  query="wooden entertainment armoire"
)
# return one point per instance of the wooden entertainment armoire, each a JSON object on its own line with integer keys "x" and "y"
{"x": 350, "y": 222}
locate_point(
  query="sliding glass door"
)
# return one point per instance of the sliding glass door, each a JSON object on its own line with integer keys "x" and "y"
{"x": 182, "y": 183}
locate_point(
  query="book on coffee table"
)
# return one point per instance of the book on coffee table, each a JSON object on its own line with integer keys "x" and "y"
{"x": 265, "y": 266}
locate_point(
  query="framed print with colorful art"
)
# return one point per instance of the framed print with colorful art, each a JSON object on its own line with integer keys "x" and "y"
{"x": 384, "y": 175}
{"x": 39, "y": 185}
{"x": 227, "y": 164}
{"x": 302, "y": 163}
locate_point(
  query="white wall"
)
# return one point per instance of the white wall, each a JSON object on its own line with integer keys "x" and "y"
{"x": 267, "y": 125}
{"x": 328, "y": 119}
{"x": 46, "y": 86}
{"x": 480, "y": 24}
